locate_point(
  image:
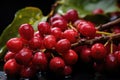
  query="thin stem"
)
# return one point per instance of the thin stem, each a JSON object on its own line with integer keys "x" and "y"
{"x": 111, "y": 47}
{"x": 52, "y": 55}
{"x": 102, "y": 32}
{"x": 98, "y": 39}
{"x": 108, "y": 25}
{"x": 54, "y": 7}
{"x": 107, "y": 42}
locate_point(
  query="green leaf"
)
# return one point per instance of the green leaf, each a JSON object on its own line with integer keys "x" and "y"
{"x": 85, "y": 7}
{"x": 31, "y": 15}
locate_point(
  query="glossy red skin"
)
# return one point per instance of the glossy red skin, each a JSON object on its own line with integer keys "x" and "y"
{"x": 37, "y": 34}
{"x": 44, "y": 28}
{"x": 98, "y": 51}
{"x": 26, "y": 31}
{"x": 98, "y": 11}
{"x": 85, "y": 54}
{"x": 71, "y": 15}
{"x": 67, "y": 70}
{"x": 14, "y": 44}
{"x": 62, "y": 24}
{"x": 9, "y": 55}
{"x": 56, "y": 32}
{"x": 71, "y": 35}
{"x": 24, "y": 56}
{"x": 77, "y": 22}
{"x": 70, "y": 57}
{"x": 111, "y": 62}
{"x": 49, "y": 41}
{"x": 35, "y": 43}
{"x": 63, "y": 45}
{"x": 86, "y": 28}
{"x": 11, "y": 68}
{"x": 117, "y": 55}
{"x": 40, "y": 60}
{"x": 57, "y": 64}
{"x": 27, "y": 72}
{"x": 56, "y": 17}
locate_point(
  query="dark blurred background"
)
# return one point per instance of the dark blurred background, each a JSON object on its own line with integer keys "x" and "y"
{"x": 8, "y": 8}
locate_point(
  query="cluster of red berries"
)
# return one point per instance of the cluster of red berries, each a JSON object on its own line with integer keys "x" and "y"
{"x": 50, "y": 48}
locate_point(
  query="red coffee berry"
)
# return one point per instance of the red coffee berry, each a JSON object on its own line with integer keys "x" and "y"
{"x": 67, "y": 70}
{"x": 56, "y": 17}
{"x": 98, "y": 11}
{"x": 63, "y": 45}
{"x": 11, "y": 67}
{"x": 85, "y": 54}
{"x": 71, "y": 15}
{"x": 24, "y": 56}
{"x": 26, "y": 31}
{"x": 27, "y": 72}
{"x": 71, "y": 35}
{"x": 56, "y": 32}
{"x": 14, "y": 44}
{"x": 98, "y": 51}
{"x": 86, "y": 28}
{"x": 9, "y": 55}
{"x": 49, "y": 41}
{"x": 44, "y": 28}
{"x": 57, "y": 64}
{"x": 35, "y": 43}
{"x": 40, "y": 60}
{"x": 62, "y": 24}
{"x": 70, "y": 57}
{"x": 111, "y": 62}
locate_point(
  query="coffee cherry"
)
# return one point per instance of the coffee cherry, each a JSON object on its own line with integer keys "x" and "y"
{"x": 9, "y": 55}
{"x": 62, "y": 24}
{"x": 71, "y": 35}
{"x": 70, "y": 57}
{"x": 14, "y": 44}
{"x": 71, "y": 15}
{"x": 111, "y": 62}
{"x": 24, "y": 56}
{"x": 40, "y": 60}
{"x": 67, "y": 70}
{"x": 85, "y": 55}
{"x": 98, "y": 11}
{"x": 26, "y": 31}
{"x": 35, "y": 43}
{"x": 63, "y": 45}
{"x": 86, "y": 28}
{"x": 117, "y": 56}
{"x": 98, "y": 51}
{"x": 49, "y": 41}
{"x": 27, "y": 72}
{"x": 44, "y": 28}
{"x": 11, "y": 68}
{"x": 56, "y": 32}
{"x": 56, "y": 64}
{"x": 56, "y": 17}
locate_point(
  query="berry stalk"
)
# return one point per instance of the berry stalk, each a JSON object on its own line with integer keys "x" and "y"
{"x": 91, "y": 41}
